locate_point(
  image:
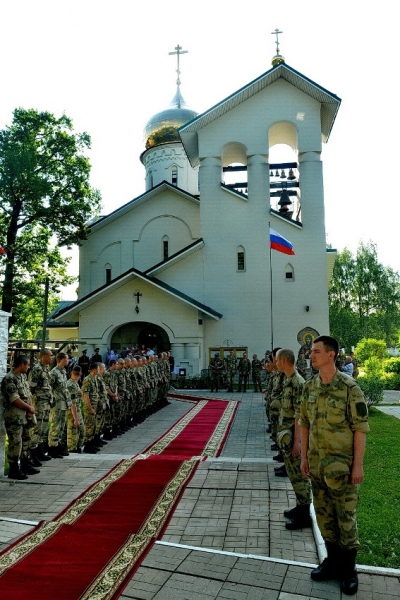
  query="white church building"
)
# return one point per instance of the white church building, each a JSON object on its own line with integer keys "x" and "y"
{"x": 187, "y": 265}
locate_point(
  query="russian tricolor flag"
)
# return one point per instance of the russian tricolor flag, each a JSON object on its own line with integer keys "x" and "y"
{"x": 278, "y": 242}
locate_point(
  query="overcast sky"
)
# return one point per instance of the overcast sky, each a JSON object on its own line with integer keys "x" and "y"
{"x": 106, "y": 65}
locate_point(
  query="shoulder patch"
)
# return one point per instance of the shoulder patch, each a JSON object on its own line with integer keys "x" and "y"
{"x": 349, "y": 381}
{"x": 361, "y": 409}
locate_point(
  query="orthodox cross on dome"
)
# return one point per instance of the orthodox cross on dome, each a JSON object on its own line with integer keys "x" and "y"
{"x": 178, "y": 52}
{"x": 276, "y": 32}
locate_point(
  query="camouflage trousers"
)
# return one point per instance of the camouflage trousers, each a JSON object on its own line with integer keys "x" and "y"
{"x": 230, "y": 377}
{"x": 100, "y": 420}
{"x": 89, "y": 422}
{"x": 335, "y": 501}
{"x": 75, "y": 435}
{"x": 19, "y": 438}
{"x": 108, "y": 417}
{"x": 243, "y": 378}
{"x": 256, "y": 381}
{"x": 301, "y": 485}
{"x": 215, "y": 380}
{"x": 274, "y": 413}
{"x": 57, "y": 420}
{"x": 39, "y": 431}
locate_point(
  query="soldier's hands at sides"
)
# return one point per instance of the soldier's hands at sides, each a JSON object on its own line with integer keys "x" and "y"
{"x": 357, "y": 474}
{"x": 305, "y": 468}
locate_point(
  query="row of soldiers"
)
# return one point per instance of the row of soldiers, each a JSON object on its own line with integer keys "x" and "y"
{"x": 48, "y": 415}
{"x": 230, "y": 366}
{"x": 318, "y": 427}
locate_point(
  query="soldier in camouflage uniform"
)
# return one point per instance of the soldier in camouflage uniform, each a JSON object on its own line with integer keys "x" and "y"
{"x": 58, "y": 413}
{"x": 121, "y": 384}
{"x": 230, "y": 367}
{"x": 256, "y": 368}
{"x": 75, "y": 423}
{"x": 19, "y": 418}
{"x": 275, "y": 402}
{"x": 102, "y": 406}
{"x": 110, "y": 379}
{"x": 244, "y": 368}
{"x": 355, "y": 365}
{"x": 334, "y": 419}
{"x": 289, "y": 440}
{"x": 216, "y": 366}
{"x": 90, "y": 402}
{"x": 42, "y": 399}
{"x": 340, "y": 360}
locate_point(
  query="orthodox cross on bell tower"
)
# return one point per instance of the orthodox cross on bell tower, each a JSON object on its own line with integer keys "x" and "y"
{"x": 178, "y": 52}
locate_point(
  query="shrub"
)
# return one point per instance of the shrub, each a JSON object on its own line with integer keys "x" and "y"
{"x": 391, "y": 381}
{"x": 373, "y": 389}
{"x": 392, "y": 365}
{"x": 370, "y": 348}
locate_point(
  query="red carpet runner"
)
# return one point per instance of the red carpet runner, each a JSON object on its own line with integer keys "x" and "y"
{"x": 93, "y": 547}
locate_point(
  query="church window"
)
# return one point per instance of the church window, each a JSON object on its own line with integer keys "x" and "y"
{"x": 289, "y": 273}
{"x": 234, "y": 167}
{"x": 175, "y": 176}
{"x": 165, "y": 247}
{"x": 241, "y": 266}
{"x": 108, "y": 274}
{"x": 284, "y": 173}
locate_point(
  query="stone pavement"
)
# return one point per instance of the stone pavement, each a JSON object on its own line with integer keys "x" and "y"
{"x": 226, "y": 539}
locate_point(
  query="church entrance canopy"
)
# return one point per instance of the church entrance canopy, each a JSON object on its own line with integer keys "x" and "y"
{"x": 140, "y": 333}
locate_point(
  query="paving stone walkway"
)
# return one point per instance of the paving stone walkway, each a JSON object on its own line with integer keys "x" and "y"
{"x": 226, "y": 539}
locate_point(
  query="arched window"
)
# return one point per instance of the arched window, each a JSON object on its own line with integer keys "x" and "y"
{"x": 284, "y": 170}
{"x": 165, "y": 247}
{"x": 108, "y": 273}
{"x": 241, "y": 259}
{"x": 289, "y": 272}
{"x": 174, "y": 176}
{"x": 234, "y": 167}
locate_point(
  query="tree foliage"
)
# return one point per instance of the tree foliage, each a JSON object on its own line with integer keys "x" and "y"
{"x": 45, "y": 201}
{"x": 364, "y": 298}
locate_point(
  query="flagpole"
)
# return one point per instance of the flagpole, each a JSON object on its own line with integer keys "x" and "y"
{"x": 270, "y": 276}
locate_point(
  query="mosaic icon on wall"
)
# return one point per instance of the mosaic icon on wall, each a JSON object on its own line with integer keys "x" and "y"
{"x": 305, "y": 337}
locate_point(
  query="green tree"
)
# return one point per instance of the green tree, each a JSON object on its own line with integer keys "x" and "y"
{"x": 367, "y": 349}
{"x": 364, "y": 298}
{"x": 45, "y": 195}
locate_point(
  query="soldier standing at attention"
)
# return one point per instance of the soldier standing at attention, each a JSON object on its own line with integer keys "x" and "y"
{"x": 75, "y": 424}
{"x": 58, "y": 413}
{"x": 216, "y": 365}
{"x": 90, "y": 401}
{"x": 84, "y": 362}
{"x": 333, "y": 424}
{"x": 42, "y": 398}
{"x": 230, "y": 367}
{"x": 301, "y": 365}
{"x": 244, "y": 369}
{"x": 256, "y": 368}
{"x": 289, "y": 440}
{"x": 18, "y": 418}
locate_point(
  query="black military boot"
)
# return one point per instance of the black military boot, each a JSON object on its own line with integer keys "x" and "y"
{"x": 27, "y": 467}
{"x": 54, "y": 452}
{"x": 349, "y": 577}
{"x": 88, "y": 449}
{"x": 278, "y": 457}
{"x": 15, "y": 472}
{"x": 301, "y": 519}
{"x": 329, "y": 568}
{"x": 290, "y": 513}
{"x": 281, "y": 472}
{"x": 40, "y": 453}
{"x": 34, "y": 458}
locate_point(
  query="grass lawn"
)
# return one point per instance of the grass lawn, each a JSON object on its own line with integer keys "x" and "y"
{"x": 378, "y": 510}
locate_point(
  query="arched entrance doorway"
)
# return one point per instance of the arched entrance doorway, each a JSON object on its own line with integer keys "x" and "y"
{"x": 141, "y": 333}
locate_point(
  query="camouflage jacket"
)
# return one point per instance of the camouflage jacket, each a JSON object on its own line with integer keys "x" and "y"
{"x": 110, "y": 378}
{"x": 103, "y": 396}
{"x": 244, "y": 366}
{"x": 291, "y": 400}
{"x": 121, "y": 382}
{"x": 230, "y": 363}
{"x": 216, "y": 365}
{"x": 332, "y": 413}
{"x": 277, "y": 386}
{"x": 90, "y": 388}
{"x": 40, "y": 381}
{"x": 74, "y": 390}
{"x": 60, "y": 391}
{"x": 15, "y": 386}
{"x": 256, "y": 367}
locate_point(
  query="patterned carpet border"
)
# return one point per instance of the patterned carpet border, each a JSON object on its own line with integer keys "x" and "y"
{"x": 117, "y": 571}
{"x": 216, "y": 441}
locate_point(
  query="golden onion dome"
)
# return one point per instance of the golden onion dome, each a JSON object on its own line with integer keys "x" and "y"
{"x": 163, "y": 127}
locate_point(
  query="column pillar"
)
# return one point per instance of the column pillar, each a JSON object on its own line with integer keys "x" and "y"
{"x": 258, "y": 178}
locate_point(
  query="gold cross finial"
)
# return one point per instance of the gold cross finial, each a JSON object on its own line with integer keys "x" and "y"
{"x": 178, "y": 52}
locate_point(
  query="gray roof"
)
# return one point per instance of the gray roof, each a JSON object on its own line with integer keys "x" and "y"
{"x": 329, "y": 105}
